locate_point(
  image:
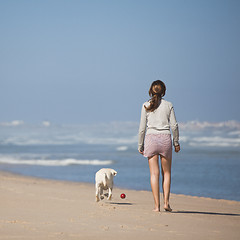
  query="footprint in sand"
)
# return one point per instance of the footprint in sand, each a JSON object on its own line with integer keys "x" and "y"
{"x": 105, "y": 228}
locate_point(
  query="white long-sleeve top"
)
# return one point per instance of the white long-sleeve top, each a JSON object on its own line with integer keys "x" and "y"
{"x": 159, "y": 121}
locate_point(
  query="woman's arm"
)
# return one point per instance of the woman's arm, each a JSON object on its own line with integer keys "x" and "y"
{"x": 142, "y": 130}
{"x": 174, "y": 128}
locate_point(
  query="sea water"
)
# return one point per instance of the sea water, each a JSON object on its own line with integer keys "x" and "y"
{"x": 208, "y": 164}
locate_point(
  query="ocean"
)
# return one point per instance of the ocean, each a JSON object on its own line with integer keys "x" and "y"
{"x": 208, "y": 164}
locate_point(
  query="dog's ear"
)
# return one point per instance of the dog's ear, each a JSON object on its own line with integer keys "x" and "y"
{"x": 114, "y": 173}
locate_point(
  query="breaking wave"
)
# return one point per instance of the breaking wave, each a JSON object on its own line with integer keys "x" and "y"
{"x": 49, "y": 162}
{"x": 122, "y": 148}
{"x": 120, "y": 135}
{"x": 215, "y": 142}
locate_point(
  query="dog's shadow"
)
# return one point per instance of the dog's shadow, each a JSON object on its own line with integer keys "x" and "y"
{"x": 118, "y": 203}
{"x": 121, "y": 203}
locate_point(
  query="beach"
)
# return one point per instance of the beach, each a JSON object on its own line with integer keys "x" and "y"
{"x": 35, "y": 208}
{"x": 76, "y": 152}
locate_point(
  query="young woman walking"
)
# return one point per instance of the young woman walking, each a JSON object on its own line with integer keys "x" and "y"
{"x": 157, "y": 118}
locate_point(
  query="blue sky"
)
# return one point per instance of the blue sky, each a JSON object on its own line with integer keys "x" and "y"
{"x": 93, "y": 61}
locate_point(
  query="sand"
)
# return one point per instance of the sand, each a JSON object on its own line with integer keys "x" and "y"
{"x": 33, "y": 208}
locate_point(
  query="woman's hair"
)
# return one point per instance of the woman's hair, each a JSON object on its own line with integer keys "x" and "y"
{"x": 156, "y": 92}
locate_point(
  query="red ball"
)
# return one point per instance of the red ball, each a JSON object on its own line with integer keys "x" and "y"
{"x": 123, "y": 195}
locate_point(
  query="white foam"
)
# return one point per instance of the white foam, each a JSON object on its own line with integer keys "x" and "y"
{"x": 233, "y": 133}
{"x": 215, "y": 142}
{"x": 49, "y": 162}
{"x": 184, "y": 139}
{"x": 46, "y": 123}
{"x": 120, "y": 135}
{"x": 196, "y": 125}
{"x": 112, "y": 140}
{"x": 47, "y": 139}
{"x": 12, "y": 123}
{"x": 122, "y": 148}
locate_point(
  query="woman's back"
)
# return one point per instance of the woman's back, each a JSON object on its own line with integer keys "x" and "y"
{"x": 161, "y": 120}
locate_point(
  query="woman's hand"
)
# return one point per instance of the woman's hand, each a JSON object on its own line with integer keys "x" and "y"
{"x": 140, "y": 152}
{"x": 177, "y": 148}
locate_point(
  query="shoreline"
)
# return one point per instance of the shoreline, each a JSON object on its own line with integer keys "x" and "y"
{"x": 117, "y": 187}
{"x": 36, "y": 208}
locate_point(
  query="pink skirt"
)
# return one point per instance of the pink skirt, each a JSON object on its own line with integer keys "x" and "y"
{"x": 158, "y": 144}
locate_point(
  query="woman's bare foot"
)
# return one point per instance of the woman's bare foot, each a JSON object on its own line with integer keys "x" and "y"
{"x": 167, "y": 208}
{"x": 156, "y": 210}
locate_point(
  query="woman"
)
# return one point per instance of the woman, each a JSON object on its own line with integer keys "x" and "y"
{"x": 157, "y": 117}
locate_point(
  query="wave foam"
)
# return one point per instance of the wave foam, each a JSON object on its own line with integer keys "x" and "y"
{"x": 198, "y": 126}
{"x": 122, "y": 148}
{"x": 48, "y": 162}
{"x": 119, "y": 135}
{"x": 215, "y": 142}
{"x": 12, "y": 123}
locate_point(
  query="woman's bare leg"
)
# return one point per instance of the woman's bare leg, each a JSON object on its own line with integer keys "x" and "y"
{"x": 166, "y": 181}
{"x": 154, "y": 179}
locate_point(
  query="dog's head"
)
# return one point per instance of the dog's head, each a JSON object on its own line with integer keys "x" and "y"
{"x": 114, "y": 173}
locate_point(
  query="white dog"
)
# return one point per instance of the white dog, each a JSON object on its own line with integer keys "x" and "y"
{"x": 104, "y": 181}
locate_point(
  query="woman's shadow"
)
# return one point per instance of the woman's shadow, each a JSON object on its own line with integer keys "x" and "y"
{"x": 207, "y": 213}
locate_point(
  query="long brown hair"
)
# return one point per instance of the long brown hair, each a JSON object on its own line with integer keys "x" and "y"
{"x": 156, "y": 92}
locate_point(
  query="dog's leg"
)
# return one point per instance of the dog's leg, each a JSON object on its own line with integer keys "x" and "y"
{"x": 101, "y": 193}
{"x": 97, "y": 193}
{"x": 110, "y": 194}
